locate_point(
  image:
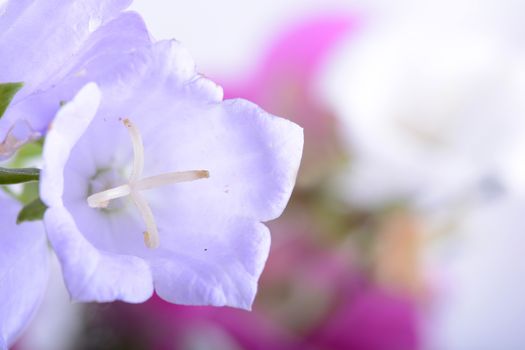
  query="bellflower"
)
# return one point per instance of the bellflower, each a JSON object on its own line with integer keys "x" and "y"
{"x": 24, "y": 270}
{"x": 52, "y": 47}
{"x": 153, "y": 182}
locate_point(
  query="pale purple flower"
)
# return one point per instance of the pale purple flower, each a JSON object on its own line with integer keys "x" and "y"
{"x": 120, "y": 223}
{"x": 24, "y": 270}
{"x": 54, "y": 47}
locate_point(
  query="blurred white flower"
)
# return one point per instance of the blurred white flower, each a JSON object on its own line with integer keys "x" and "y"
{"x": 433, "y": 105}
{"x": 432, "y": 100}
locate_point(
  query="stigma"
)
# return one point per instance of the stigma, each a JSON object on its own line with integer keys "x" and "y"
{"x": 136, "y": 184}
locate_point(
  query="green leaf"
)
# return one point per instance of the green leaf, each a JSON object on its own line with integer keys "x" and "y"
{"x": 7, "y": 92}
{"x": 29, "y": 192}
{"x": 16, "y": 176}
{"x": 32, "y": 212}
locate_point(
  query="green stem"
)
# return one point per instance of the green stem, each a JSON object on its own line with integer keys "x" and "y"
{"x": 16, "y": 176}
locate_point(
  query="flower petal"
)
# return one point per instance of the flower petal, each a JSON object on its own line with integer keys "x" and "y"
{"x": 252, "y": 157}
{"x": 224, "y": 274}
{"x": 70, "y": 123}
{"x": 24, "y": 270}
{"x": 55, "y": 29}
{"x": 100, "y": 59}
{"x": 90, "y": 275}
{"x": 93, "y": 275}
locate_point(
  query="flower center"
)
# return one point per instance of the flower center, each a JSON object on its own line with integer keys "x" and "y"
{"x": 107, "y": 178}
{"x": 136, "y": 184}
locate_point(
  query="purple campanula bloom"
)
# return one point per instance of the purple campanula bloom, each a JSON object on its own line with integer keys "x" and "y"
{"x": 154, "y": 182}
{"x": 24, "y": 270}
{"x": 54, "y": 47}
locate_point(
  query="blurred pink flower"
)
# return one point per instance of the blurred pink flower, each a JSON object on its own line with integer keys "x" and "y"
{"x": 332, "y": 301}
{"x": 370, "y": 318}
{"x": 162, "y": 326}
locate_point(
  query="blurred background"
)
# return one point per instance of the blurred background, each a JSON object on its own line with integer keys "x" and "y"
{"x": 406, "y": 229}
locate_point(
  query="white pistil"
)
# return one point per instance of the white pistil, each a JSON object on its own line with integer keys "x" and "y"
{"x": 102, "y": 199}
{"x": 138, "y": 151}
{"x": 136, "y": 184}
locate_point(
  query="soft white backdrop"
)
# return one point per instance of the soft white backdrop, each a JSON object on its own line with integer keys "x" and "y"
{"x": 226, "y": 37}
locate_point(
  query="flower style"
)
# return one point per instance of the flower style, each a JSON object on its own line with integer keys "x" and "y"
{"x": 136, "y": 184}
{"x": 204, "y": 174}
{"x": 24, "y": 270}
{"x": 55, "y": 47}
